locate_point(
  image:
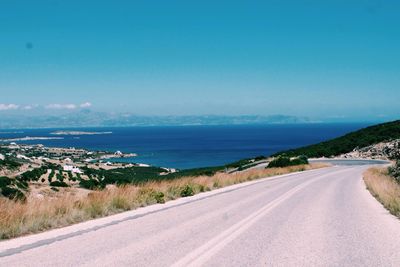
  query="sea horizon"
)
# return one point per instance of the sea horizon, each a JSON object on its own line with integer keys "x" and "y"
{"x": 188, "y": 146}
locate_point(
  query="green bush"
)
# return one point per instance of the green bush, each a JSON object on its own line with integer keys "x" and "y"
{"x": 51, "y": 175}
{"x": 13, "y": 188}
{"x": 13, "y": 193}
{"x": 159, "y": 197}
{"x": 60, "y": 176}
{"x": 58, "y": 184}
{"x": 9, "y": 164}
{"x": 4, "y": 181}
{"x": 395, "y": 171}
{"x": 91, "y": 184}
{"x": 34, "y": 174}
{"x": 187, "y": 191}
{"x": 299, "y": 160}
{"x": 283, "y": 161}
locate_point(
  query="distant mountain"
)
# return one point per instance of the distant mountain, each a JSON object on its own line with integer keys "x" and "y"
{"x": 86, "y": 118}
{"x": 354, "y": 141}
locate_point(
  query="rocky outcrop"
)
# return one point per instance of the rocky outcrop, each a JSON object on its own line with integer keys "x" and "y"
{"x": 383, "y": 150}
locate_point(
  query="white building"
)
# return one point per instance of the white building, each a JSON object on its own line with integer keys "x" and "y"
{"x": 70, "y": 168}
{"x": 22, "y": 157}
{"x": 2, "y": 157}
{"x": 13, "y": 145}
{"x": 143, "y": 165}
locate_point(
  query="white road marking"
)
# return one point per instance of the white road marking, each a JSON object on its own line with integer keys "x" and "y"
{"x": 202, "y": 254}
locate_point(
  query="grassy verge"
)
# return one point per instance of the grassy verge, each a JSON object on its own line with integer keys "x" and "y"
{"x": 21, "y": 218}
{"x": 384, "y": 188}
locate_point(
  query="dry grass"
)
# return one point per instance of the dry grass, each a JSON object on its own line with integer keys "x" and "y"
{"x": 35, "y": 215}
{"x": 384, "y": 188}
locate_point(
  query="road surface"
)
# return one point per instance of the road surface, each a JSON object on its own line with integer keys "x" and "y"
{"x": 323, "y": 217}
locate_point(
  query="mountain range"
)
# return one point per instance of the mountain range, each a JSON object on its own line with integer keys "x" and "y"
{"x": 87, "y": 118}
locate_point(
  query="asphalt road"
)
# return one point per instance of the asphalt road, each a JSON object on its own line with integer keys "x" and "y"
{"x": 323, "y": 217}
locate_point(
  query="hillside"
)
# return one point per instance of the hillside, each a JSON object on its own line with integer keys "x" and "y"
{"x": 382, "y": 150}
{"x": 347, "y": 143}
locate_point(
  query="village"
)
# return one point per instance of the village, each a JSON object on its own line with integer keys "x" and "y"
{"x": 48, "y": 170}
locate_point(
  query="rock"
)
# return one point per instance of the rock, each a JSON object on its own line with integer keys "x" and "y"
{"x": 383, "y": 150}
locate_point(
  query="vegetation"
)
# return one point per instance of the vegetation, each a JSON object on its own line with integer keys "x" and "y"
{"x": 34, "y": 174}
{"x": 394, "y": 171}
{"x": 187, "y": 191}
{"x": 60, "y": 176}
{"x": 347, "y": 143}
{"x": 17, "y": 187}
{"x": 19, "y": 218}
{"x": 99, "y": 178}
{"x": 51, "y": 175}
{"x": 13, "y": 188}
{"x": 384, "y": 188}
{"x": 283, "y": 161}
{"x": 58, "y": 184}
{"x": 9, "y": 164}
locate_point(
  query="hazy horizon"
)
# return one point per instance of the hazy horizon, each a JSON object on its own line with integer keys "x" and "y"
{"x": 324, "y": 61}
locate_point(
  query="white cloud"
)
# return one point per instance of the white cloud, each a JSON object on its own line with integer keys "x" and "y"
{"x": 8, "y": 106}
{"x": 29, "y": 107}
{"x": 61, "y": 106}
{"x": 86, "y": 105}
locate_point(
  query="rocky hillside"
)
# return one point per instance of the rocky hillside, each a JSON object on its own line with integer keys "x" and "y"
{"x": 374, "y": 138}
{"x": 382, "y": 150}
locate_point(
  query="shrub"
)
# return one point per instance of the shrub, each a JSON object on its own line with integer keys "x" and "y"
{"x": 20, "y": 184}
{"x": 299, "y": 161}
{"x": 159, "y": 197}
{"x": 58, "y": 184}
{"x": 395, "y": 171}
{"x": 279, "y": 162}
{"x": 10, "y": 164}
{"x": 12, "y": 193}
{"x": 91, "y": 184}
{"x": 216, "y": 184}
{"x": 51, "y": 175}
{"x": 60, "y": 176}
{"x": 283, "y": 161}
{"x": 13, "y": 188}
{"x": 4, "y": 181}
{"x": 187, "y": 191}
{"x": 34, "y": 174}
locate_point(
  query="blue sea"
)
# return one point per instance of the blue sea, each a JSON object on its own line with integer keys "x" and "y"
{"x": 192, "y": 146}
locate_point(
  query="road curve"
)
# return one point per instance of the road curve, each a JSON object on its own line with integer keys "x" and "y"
{"x": 323, "y": 217}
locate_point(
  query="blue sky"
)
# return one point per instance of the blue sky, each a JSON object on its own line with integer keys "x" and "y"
{"x": 322, "y": 59}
